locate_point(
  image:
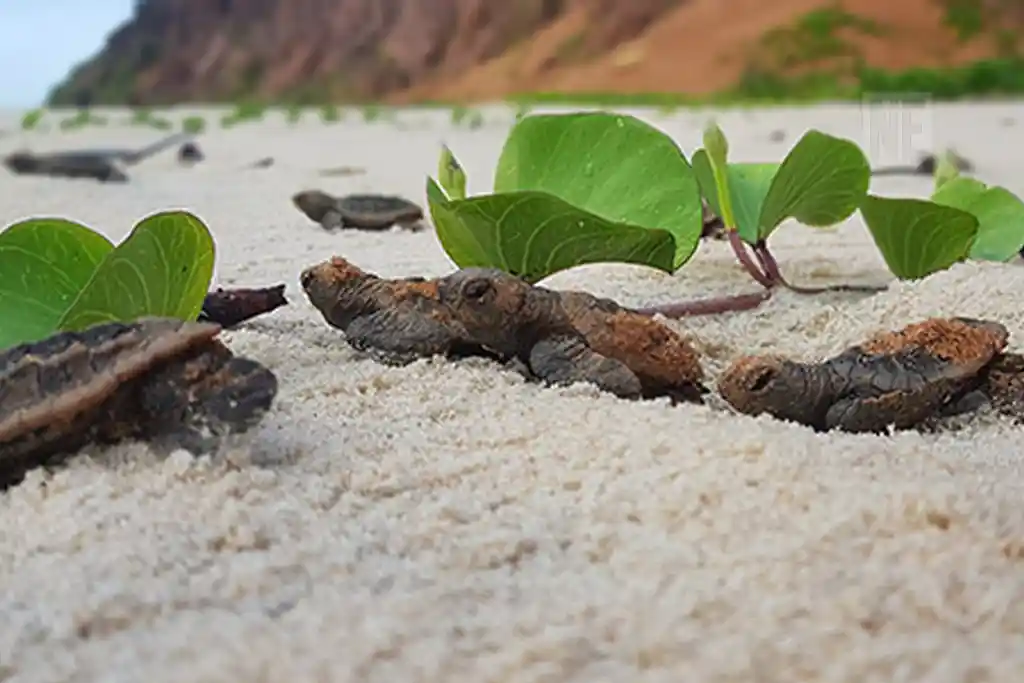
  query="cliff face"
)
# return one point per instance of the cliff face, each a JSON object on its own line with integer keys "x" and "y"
{"x": 210, "y": 50}
{"x": 465, "y": 50}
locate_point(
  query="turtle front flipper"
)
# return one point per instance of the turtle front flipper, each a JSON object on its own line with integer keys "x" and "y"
{"x": 332, "y": 220}
{"x": 567, "y": 359}
{"x": 399, "y": 337}
{"x": 904, "y": 378}
{"x": 898, "y": 410}
{"x": 875, "y": 414}
{"x": 415, "y": 225}
{"x": 665, "y": 362}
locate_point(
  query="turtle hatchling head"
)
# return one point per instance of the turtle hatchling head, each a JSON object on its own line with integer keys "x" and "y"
{"x": 488, "y": 302}
{"x": 329, "y": 287}
{"x": 764, "y": 384}
{"x": 314, "y": 203}
{"x": 20, "y": 161}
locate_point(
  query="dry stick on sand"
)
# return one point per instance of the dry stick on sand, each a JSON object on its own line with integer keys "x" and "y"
{"x": 231, "y": 307}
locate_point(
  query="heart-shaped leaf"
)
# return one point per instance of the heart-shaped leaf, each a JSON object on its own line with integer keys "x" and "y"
{"x": 918, "y": 237}
{"x": 44, "y": 264}
{"x": 1000, "y": 215}
{"x": 820, "y": 182}
{"x": 748, "y": 183}
{"x": 163, "y": 268}
{"x": 534, "y": 234}
{"x": 612, "y": 166}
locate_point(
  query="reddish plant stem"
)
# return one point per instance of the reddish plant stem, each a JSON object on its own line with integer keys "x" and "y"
{"x": 739, "y": 247}
{"x": 713, "y": 306}
{"x": 768, "y": 265}
{"x": 768, "y": 262}
{"x": 765, "y": 271}
{"x": 722, "y": 304}
{"x": 771, "y": 269}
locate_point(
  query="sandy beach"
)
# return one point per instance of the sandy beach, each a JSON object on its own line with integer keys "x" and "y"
{"x": 448, "y": 522}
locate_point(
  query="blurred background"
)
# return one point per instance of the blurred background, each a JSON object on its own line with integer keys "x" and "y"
{"x": 160, "y": 52}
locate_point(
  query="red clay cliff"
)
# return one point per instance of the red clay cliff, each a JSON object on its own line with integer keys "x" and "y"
{"x": 467, "y": 50}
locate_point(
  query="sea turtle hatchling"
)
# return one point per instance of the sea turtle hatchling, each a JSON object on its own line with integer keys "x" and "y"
{"x": 902, "y": 379}
{"x": 159, "y": 379}
{"x": 566, "y": 336}
{"x": 559, "y": 337}
{"x": 359, "y": 211}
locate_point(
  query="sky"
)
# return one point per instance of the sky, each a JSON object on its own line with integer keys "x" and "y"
{"x": 40, "y": 40}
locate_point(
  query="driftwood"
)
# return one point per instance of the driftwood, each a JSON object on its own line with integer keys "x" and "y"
{"x": 231, "y": 307}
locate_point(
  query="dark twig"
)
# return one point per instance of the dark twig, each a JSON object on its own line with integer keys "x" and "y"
{"x": 231, "y": 307}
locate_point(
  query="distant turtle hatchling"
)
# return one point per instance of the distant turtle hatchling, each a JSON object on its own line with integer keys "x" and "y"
{"x": 359, "y": 211}
{"x": 903, "y": 379}
{"x": 189, "y": 153}
{"x": 157, "y": 379}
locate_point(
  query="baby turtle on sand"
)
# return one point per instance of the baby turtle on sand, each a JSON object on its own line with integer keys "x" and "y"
{"x": 569, "y": 336}
{"x": 160, "y": 379}
{"x": 926, "y": 165}
{"x": 931, "y": 369}
{"x": 104, "y": 165}
{"x": 558, "y": 337}
{"x": 70, "y": 165}
{"x": 359, "y": 211}
{"x": 189, "y": 153}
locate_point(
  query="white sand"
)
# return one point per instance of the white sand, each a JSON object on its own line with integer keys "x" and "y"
{"x": 447, "y": 522}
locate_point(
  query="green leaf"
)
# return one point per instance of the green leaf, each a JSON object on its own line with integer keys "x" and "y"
{"x": 716, "y": 155}
{"x": 450, "y": 174}
{"x": 163, "y": 268}
{"x": 748, "y": 183}
{"x": 534, "y": 234}
{"x": 611, "y": 166}
{"x": 716, "y": 143}
{"x": 1000, "y": 215}
{"x": 44, "y": 264}
{"x": 822, "y": 181}
{"x": 918, "y": 237}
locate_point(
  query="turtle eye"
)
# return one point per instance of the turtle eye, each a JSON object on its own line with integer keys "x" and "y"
{"x": 476, "y": 289}
{"x": 762, "y": 379}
